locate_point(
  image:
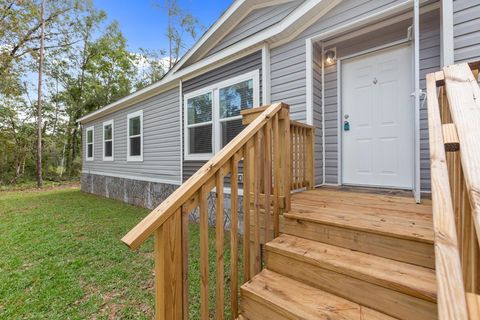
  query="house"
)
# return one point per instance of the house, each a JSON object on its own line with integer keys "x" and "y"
{"x": 353, "y": 74}
{"x": 140, "y": 148}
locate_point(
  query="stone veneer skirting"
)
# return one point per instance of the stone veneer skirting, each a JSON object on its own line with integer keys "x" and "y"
{"x": 150, "y": 194}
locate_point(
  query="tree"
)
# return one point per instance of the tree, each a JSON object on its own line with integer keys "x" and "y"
{"x": 39, "y": 99}
{"x": 180, "y": 23}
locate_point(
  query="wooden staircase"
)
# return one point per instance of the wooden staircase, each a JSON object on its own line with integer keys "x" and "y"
{"x": 329, "y": 253}
{"x": 347, "y": 255}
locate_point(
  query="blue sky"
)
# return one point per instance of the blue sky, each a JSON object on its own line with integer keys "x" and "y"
{"x": 145, "y": 26}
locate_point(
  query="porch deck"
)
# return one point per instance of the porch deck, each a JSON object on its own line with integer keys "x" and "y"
{"x": 348, "y": 253}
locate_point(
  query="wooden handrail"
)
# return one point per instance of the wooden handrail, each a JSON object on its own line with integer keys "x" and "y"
{"x": 264, "y": 147}
{"x": 454, "y": 134}
{"x": 135, "y": 237}
{"x": 450, "y": 290}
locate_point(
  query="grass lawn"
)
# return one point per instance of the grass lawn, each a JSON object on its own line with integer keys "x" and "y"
{"x": 61, "y": 258}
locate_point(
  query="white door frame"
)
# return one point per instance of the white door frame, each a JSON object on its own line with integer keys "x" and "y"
{"x": 352, "y": 29}
{"x": 403, "y": 42}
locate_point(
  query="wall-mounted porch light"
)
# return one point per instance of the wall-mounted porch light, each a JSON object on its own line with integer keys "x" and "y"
{"x": 330, "y": 56}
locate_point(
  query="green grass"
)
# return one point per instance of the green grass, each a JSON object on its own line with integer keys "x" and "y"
{"x": 61, "y": 258}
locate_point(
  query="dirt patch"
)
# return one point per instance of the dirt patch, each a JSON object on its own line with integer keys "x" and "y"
{"x": 75, "y": 185}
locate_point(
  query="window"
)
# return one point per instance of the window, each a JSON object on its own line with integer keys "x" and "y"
{"x": 212, "y": 115}
{"x": 108, "y": 141}
{"x": 199, "y": 124}
{"x": 135, "y": 136}
{"x": 90, "y": 150}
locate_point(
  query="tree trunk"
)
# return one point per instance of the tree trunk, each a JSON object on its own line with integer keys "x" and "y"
{"x": 39, "y": 104}
{"x": 74, "y": 150}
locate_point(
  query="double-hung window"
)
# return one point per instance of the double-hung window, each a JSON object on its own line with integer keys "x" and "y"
{"x": 108, "y": 141}
{"x": 89, "y": 145}
{"x": 135, "y": 136}
{"x": 212, "y": 115}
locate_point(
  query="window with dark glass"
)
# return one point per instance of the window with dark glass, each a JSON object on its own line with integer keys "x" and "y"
{"x": 135, "y": 132}
{"x": 233, "y": 99}
{"x": 199, "y": 124}
{"x": 108, "y": 140}
{"x": 213, "y": 117}
{"x": 90, "y": 143}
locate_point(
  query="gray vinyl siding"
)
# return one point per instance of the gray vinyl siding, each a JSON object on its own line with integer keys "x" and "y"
{"x": 161, "y": 141}
{"x": 288, "y": 73}
{"x": 256, "y": 21}
{"x": 246, "y": 64}
{"x": 466, "y": 30}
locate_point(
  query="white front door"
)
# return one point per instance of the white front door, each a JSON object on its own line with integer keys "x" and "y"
{"x": 378, "y": 141}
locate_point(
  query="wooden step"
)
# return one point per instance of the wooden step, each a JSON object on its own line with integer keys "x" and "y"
{"x": 404, "y": 237}
{"x": 271, "y": 296}
{"x": 396, "y": 288}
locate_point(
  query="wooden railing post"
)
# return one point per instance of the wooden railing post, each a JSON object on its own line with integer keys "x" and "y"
{"x": 285, "y": 178}
{"x": 168, "y": 269}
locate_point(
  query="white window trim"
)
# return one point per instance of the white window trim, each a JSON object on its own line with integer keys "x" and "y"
{"x": 106, "y": 123}
{"x": 129, "y": 116}
{"x": 214, "y": 89}
{"x": 87, "y": 158}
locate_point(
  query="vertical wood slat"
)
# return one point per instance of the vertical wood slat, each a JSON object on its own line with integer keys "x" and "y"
{"x": 295, "y": 157}
{"x": 168, "y": 269}
{"x": 247, "y": 177}
{"x": 234, "y": 236}
{"x": 310, "y": 155}
{"x": 219, "y": 245}
{"x": 185, "y": 250}
{"x": 285, "y": 129}
{"x": 203, "y": 202}
{"x": 267, "y": 168}
{"x": 256, "y": 199}
{"x": 276, "y": 175}
{"x": 292, "y": 158}
{"x": 304, "y": 158}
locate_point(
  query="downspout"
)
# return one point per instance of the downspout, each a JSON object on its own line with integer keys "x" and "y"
{"x": 266, "y": 86}
{"x": 416, "y": 41}
{"x": 323, "y": 113}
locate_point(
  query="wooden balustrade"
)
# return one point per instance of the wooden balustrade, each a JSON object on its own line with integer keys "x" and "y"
{"x": 302, "y": 156}
{"x": 453, "y": 119}
{"x": 262, "y": 151}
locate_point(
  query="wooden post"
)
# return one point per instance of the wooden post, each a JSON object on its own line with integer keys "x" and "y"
{"x": 285, "y": 178}
{"x": 234, "y": 236}
{"x": 203, "y": 202}
{"x": 168, "y": 269}
{"x": 185, "y": 223}
{"x": 219, "y": 247}
{"x": 276, "y": 177}
{"x": 247, "y": 183}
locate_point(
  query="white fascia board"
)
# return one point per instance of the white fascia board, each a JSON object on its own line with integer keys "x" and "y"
{"x": 242, "y": 48}
{"x": 259, "y": 37}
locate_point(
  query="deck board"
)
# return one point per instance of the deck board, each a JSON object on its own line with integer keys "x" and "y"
{"x": 379, "y": 213}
